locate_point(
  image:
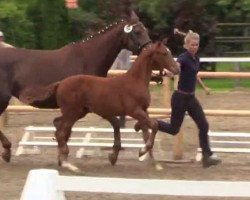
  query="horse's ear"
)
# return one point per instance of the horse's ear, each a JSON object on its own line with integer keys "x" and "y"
{"x": 126, "y": 9}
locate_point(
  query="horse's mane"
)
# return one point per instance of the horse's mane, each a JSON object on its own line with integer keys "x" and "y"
{"x": 100, "y": 32}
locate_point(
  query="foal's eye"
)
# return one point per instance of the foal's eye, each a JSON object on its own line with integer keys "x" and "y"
{"x": 164, "y": 54}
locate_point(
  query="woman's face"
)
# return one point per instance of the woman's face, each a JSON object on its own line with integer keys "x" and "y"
{"x": 192, "y": 46}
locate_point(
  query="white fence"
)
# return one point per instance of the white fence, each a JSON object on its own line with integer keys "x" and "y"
{"x": 228, "y": 142}
{"x": 34, "y": 138}
{"x": 45, "y": 184}
{"x": 215, "y": 59}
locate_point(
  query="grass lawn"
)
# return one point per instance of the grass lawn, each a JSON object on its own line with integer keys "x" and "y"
{"x": 229, "y": 84}
{"x": 222, "y": 84}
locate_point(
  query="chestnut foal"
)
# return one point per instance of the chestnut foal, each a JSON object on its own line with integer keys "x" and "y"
{"x": 126, "y": 94}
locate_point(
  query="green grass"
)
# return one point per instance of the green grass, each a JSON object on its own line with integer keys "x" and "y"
{"x": 230, "y": 67}
{"x": 229, "y": 84}
{"x": 222, "y": 84}
{"x": 226, "y": 84}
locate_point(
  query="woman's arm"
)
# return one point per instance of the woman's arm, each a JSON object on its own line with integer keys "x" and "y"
{"x": 202, "y": 84}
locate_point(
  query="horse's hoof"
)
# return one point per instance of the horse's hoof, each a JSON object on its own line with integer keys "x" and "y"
{"x": 6, "y": 155}
{"x": 112, "y": 159}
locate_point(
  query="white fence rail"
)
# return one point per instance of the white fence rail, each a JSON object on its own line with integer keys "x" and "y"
{"x": 215, "y": 59}
{"x": 44, "y": 184}
{"x": 34, "y": 138}
{"x": 228, "y": 142}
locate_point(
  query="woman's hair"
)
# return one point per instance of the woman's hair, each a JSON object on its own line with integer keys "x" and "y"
{"x": 190, "y": 36}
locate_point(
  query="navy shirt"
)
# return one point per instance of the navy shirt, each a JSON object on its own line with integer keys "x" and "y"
{"x": 189, "y": 68}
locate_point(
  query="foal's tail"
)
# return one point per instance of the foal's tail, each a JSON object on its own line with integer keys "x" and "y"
{"x": 40, "y": 96}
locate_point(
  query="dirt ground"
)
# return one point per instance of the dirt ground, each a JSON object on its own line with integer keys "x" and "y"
{"x": 235, "y": 167}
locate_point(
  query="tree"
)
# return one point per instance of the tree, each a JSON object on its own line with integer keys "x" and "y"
{"x": 51, "y": 26}
{"x": 16, "y": 26}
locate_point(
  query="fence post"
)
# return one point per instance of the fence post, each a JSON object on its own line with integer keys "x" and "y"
{"x": 178, "y": 143}
{"x": 237, "y": 69}
{"x": 42, "y": 184}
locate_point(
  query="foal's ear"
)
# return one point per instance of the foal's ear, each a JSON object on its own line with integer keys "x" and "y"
{"x": 165, "y": 40}
{"x": 158, "y": 43}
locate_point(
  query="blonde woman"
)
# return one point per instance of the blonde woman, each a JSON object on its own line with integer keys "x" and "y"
{"x": 183, "y": 99}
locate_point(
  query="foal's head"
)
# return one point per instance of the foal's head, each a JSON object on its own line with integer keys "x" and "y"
{"x": 162, "y": 58}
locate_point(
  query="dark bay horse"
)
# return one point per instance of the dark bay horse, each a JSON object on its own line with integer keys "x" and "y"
{"x": 126, "y": 94}
{"x": 23, "y": 68}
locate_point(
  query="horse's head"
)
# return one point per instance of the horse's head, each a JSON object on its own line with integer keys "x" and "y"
{"x": 163, "y": 58}
{"x": 135, "y": 34}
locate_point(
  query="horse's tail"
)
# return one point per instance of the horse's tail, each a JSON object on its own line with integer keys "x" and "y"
{"x": 40, "y": 96}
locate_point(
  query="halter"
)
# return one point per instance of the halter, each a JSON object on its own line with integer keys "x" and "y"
{"x": 129, "y": 28}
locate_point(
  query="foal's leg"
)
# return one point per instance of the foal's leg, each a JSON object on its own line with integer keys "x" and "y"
{"x": 145, "y": 134}
{"x": 6, "y": 155}
{"x": 117, "y": 139}
{"x": 145, "y": 121}
{"x": 63, "y": 131}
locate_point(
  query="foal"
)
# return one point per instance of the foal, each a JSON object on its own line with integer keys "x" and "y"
{"x": 126, "y": 94}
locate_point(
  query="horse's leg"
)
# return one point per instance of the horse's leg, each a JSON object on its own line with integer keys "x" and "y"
{"x": 4, "y": 101}
{"x": 117, "y": 139}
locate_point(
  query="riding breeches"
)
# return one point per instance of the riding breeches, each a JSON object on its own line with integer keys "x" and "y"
{"x": 181, "y": 103}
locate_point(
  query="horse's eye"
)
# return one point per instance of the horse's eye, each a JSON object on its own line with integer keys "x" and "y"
{"x": 164, "y": 54}
{"x": 138, "y": 33}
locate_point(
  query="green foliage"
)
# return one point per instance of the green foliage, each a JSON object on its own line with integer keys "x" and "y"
{"x": 51, "y": 25}
{"x": 47, "y": 24}
{"x": 15, "y": 25}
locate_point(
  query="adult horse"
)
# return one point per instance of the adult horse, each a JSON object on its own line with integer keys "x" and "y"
{"x": 127, "y": 94}
{"x": 22, "y": 68}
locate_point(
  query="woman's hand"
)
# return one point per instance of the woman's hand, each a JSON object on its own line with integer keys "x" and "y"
{"x": 207, "y": 90}
{"x": 167, "y": 73}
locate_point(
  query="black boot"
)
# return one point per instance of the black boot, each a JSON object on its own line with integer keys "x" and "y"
{"x": 208, "y": 161}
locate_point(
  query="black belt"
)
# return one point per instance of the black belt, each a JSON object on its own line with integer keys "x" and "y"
{"x": 186, "y": 93}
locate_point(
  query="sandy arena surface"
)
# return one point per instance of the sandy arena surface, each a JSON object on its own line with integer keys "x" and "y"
{"x": 235, "y": 167}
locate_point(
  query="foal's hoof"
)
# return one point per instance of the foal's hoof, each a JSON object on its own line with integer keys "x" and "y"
{"x": 6, "y": 155}
{"x": 143, "y": 157}
{"x": 137, "y": 126}
{"x": 71, "y": 168}
{"x": 142, "y": 152}
{"x": 158, "y": 167}
{"x": 112, "y": 159}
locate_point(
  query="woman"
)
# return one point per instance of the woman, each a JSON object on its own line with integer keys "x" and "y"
{"x": 183, "y": 99}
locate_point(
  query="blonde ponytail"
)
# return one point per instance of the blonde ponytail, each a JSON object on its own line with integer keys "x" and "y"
{"x": 190, "y": 35}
